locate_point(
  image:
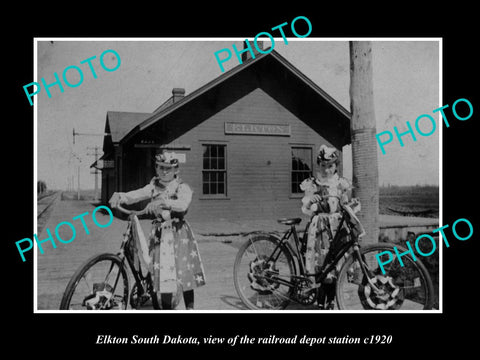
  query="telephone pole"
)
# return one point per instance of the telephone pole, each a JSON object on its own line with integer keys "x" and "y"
{"x": 78, "y": 174}
{"x": 96, "y": 148}
{"x": 363, "y": 130}
{"x": 95, "y": 171}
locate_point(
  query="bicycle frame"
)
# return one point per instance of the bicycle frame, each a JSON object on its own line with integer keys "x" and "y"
{"x": 101, "y": 294}
{"x": 125, "y": 253}
{"x": 276, "y": 266}
{"x": 327, "y": 266}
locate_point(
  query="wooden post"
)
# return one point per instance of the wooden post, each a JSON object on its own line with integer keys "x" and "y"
{"x": 78, "y": 182}
{"x": 363, "y": 130}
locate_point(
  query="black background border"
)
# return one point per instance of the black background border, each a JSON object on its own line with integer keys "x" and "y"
{"x": 412, "y": 333}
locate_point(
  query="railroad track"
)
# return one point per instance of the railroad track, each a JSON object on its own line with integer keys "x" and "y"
{"x": 44, "y": 203}
{"x": 46, "y": 195}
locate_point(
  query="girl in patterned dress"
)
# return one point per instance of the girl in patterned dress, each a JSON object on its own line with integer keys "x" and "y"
{"x": 176, "y": 265}
{"x": 325, "y": 217}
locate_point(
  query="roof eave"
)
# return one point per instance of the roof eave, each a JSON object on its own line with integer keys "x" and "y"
{"x": 314, "y": 86}
{"x": 157, "y": 116}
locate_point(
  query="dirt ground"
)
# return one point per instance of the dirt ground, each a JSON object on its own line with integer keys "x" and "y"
{"x": 218, "y": 245}
{"x": 56, "y": 266}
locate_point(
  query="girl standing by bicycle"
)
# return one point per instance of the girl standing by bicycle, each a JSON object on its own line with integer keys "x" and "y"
{"x": 321, "y": 201}
{"x": 176, "y": 261}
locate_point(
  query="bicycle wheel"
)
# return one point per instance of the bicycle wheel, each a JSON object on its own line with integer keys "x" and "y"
{"x": 407, "y": 287}
{"x": 100, "y": 284}
{"x": 256, "y": 279}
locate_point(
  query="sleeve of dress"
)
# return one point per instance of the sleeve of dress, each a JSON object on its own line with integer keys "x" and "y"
{"x": 306, "y": 206}
{"x": 183, "y": 200}
{"x": 134, "y": 196}
{"x": 345, "y": 188}
{"x": 345, "y": 184}
{"x": 309, "y": 188}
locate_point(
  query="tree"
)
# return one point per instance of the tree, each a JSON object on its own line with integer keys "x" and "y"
{"x": 363, "y": 130}
{"x": 41, "y": 187}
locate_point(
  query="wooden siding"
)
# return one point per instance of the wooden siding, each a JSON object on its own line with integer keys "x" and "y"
{"x": 258, "y": 166}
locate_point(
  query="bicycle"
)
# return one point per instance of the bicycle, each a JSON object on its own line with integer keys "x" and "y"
{"x": 270, "y": 271}
{"x": 102, "y": 282}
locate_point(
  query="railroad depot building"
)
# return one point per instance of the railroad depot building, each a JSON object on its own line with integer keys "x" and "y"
{"x": 245, "y": 140}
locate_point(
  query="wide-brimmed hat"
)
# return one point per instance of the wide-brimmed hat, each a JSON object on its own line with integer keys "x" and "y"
{"x": 167, "y": 159}
{"x": 327, "y": 155}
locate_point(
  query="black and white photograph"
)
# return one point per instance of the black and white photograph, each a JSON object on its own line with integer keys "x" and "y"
{"x": 228, "y": 190}
{"x": 242, "y": 179}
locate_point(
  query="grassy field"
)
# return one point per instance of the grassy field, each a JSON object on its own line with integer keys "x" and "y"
{"x": 423, "y": 200}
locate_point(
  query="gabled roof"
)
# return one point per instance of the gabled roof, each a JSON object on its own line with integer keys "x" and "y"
{"x": 163, "y": 111}
{"x": 117, "y": 125}
{"x": 166, "y": 104}
{"x": 120, "y": 124}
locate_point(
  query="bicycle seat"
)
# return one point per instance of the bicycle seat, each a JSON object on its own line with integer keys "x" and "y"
{"x": 291, "y": 221}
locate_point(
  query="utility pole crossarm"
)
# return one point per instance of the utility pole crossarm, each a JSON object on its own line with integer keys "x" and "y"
{"x": 96, "y": 148}
{"x": 88, "y": 134}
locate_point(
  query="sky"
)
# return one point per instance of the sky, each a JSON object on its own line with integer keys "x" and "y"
{"x": 405, "y": 77}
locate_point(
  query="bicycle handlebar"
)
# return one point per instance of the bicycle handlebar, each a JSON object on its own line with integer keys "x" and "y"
{"x": 342, "y": 205}
{"x": 329, "y": 196}
{"x": 131, "y": 212}
{"x": 136, "y": 212}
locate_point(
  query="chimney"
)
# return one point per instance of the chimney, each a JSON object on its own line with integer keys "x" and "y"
{"x": 178, "y": 94}
{"x": 247, "y": 54}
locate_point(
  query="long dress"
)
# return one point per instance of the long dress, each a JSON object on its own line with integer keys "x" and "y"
{"x": 176, "y": 265}
{"x": 325, "y": 221}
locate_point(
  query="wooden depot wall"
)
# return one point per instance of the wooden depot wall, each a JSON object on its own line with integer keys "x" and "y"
{"x": 258, "y": 166}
